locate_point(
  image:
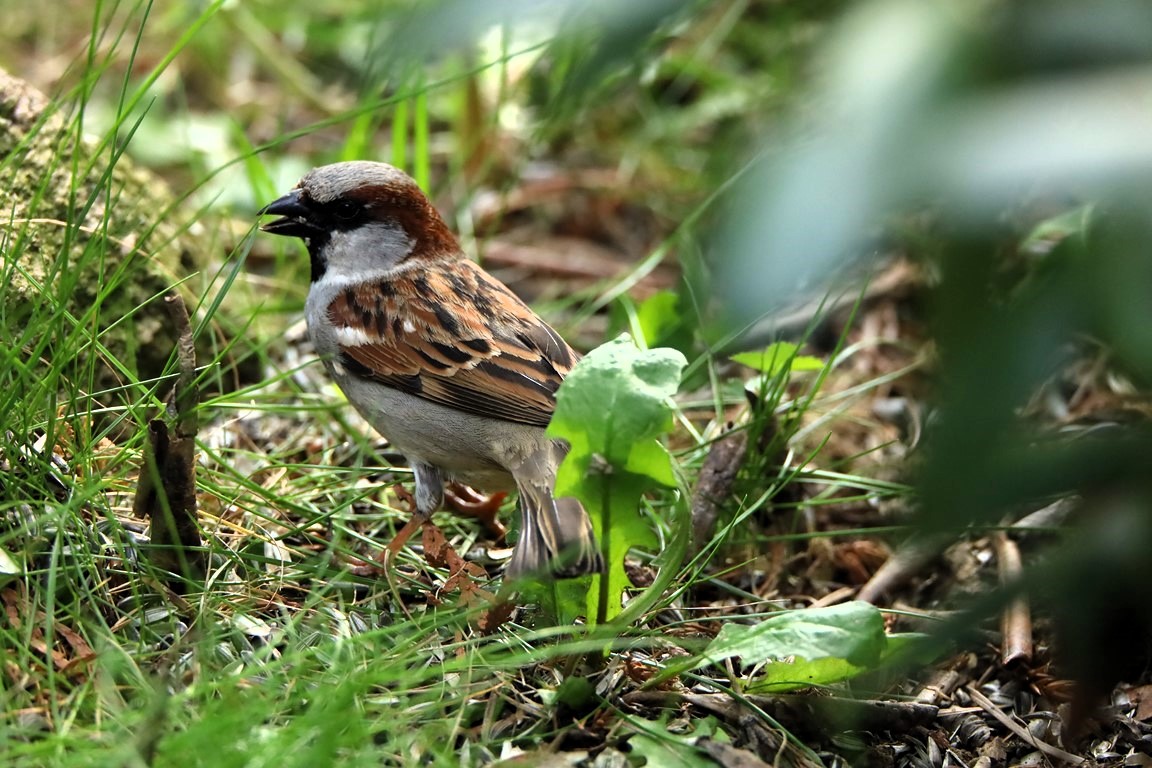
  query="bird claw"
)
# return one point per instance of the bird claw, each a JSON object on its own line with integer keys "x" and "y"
{"x": 405, "y": 496}
{"x": 485, "y": 508}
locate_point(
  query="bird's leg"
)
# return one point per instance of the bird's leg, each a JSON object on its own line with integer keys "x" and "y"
{"x": 429, "y": 497}
{"x": 429, "y": 489}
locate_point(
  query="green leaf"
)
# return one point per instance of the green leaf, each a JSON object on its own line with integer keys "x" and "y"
{"x": 662, "y": 320}
{"x": 778, "y": 357}
{"x": 614, "y": 403}
{"x": 9, "y": 568}
{"x": 1048, "y": 233}
{"x": 801, "y": 673}
{"x": 611, "y": 409}
{"x": 910, "y": 648}
{"x": 578, "y": 694}
{"x": 802, "y": 648}
{"x": 660, "y": 748}
{"x": 657, "y": 315}
{"x": 620, "y": 527}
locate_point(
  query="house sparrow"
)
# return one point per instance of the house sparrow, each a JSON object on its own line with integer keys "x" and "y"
{"x": 440, "y": 357}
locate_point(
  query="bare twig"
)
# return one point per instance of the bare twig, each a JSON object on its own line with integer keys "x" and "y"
{"x": 907, "y": 561}
{"x": 714, "y": 486}
{"x": 1016, "y": 621}
{"x": 166, "y": 493}
{"x": 988, "y": 706}
{"x": 939, "y": 688}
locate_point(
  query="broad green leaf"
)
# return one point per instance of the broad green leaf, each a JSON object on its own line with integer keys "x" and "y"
{"x": 1045, "y": 235}
{"x": 777, "y": 357}
{"x": 801, "y": 673}
{"x": 807, "y": 647}
{"x": 898, "y": 650}
{"x": 578, "y": 694}
{"x": 915, "y": 648}
{"x": 657, "y": 315}
{"x": 619, "y": 527}
{"x": 611, "y": 409}
{"x": 615, "y": 403}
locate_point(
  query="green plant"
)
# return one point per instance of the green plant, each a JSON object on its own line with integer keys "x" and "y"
{"x": 611, "y": 409}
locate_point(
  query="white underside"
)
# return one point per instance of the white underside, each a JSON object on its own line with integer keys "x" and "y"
{"x": 481, "y": 452}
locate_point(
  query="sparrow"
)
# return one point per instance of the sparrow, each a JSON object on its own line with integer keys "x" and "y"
{"x": 441, "y": 358}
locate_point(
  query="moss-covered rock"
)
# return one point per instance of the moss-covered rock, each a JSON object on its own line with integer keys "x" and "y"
{"x": 82, "y": 228}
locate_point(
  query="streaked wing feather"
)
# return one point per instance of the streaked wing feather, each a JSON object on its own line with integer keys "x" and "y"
{"x": 429, "y": 337}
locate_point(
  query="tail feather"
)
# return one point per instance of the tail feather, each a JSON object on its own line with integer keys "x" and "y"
{"x": 555, "y": 537}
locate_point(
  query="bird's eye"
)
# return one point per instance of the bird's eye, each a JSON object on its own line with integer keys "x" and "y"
{"x": 346, "y": 209}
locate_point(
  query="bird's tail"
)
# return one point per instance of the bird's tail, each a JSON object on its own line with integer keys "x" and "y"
{"x": 555, "y": 538}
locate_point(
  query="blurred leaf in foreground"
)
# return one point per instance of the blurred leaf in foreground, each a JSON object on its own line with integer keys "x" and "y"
{"x": 779, "y": 357}
{"x": 979, "y": 119}
{"x": 943, "y": 104}
{"x": 611, "y": 409}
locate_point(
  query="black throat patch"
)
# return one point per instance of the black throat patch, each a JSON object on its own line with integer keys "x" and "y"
{"x": 316, "y": 245}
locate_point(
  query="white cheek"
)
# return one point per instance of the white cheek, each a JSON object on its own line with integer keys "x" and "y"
{"x": 373, "y": 248}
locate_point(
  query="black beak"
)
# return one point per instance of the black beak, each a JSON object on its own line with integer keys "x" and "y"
{"x": 296, "y": 216}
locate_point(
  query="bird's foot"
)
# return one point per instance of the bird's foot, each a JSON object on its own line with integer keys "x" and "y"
{"x": 471, "y": 503}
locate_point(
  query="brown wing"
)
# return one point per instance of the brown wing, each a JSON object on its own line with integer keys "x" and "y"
{"x": 456, "y": 337}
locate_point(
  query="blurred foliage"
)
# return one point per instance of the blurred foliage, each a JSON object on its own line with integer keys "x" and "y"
{"x": 995, "y": 119}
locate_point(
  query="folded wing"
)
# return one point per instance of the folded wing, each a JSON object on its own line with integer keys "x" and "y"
{"x": 455, "y": 337}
